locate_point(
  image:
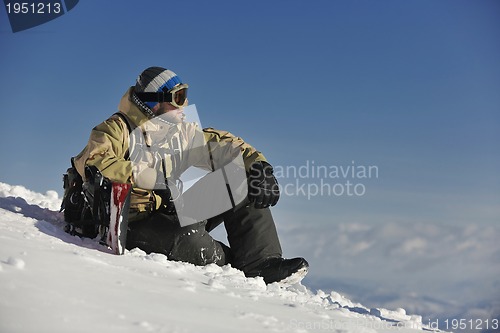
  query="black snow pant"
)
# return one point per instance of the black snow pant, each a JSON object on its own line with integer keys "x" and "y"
{"x": 251, "y": 234}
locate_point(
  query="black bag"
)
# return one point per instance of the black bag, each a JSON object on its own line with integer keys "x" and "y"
{"x": 73, "y": 201}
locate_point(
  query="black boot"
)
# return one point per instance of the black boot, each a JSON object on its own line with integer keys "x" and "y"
{"x": 277, "y": 269}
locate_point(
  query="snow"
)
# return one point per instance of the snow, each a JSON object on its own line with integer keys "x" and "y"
{"x": 48, "y": 200}
{"x": 53, "y": 282}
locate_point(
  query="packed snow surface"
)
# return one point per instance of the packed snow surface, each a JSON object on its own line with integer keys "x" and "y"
{"x": 53, "y": 282}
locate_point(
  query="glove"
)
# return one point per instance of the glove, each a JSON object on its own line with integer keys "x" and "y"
{"x": 167, "y": 205}
{"x": 170, "y": 198}
{"x": 263, "y": 188}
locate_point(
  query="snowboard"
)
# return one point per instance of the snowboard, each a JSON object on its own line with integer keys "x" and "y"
{"x": 118, "y": 219}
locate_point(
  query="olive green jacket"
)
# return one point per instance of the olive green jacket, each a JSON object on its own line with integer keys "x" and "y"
{"x": 108, "y": 150}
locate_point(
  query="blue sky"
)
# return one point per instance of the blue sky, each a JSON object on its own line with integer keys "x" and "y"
{"x": 408, "y": 86}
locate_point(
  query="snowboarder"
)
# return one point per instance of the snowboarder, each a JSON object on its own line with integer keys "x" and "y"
{"x": 154, "y": 224}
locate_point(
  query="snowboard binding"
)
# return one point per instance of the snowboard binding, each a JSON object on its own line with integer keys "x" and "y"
{"x": 96, "y": 207}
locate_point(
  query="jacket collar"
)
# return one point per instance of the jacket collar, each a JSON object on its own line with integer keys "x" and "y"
{"x": 131, "y": 110}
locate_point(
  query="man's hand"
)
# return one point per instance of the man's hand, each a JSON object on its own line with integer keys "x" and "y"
{"x": 167, "y": 205}
{"x": 263, "y": 188}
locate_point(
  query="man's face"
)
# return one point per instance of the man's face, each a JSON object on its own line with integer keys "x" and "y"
{"x": 170, "y": 113}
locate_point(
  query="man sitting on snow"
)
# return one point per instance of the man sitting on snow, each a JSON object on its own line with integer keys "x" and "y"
{"x": 154, "y": 223}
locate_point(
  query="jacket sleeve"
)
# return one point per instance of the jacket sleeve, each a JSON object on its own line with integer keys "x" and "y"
{"x": 223, "y": 144}
{"x": 106, "y": 150}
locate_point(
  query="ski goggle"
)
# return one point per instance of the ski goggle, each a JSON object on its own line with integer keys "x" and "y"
{"x": 176, "y": 96}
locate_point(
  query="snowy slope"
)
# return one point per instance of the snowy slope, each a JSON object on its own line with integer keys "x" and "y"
{"x": 53, "y": 282}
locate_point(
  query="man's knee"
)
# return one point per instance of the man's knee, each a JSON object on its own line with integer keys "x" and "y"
{"x": 194, "y": 245}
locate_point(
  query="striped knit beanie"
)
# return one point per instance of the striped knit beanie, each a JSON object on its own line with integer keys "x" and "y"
{"x": 156, "y": 79}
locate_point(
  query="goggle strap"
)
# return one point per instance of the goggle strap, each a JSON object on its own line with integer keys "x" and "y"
{"x": 159, "y": 97}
